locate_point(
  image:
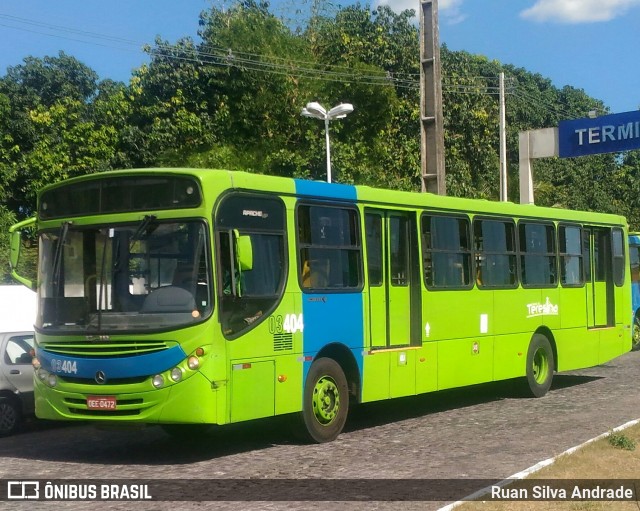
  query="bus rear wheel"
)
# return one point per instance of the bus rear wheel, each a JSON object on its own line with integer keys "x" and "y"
{"x": 540, "y": 366}
{"x": 326, "y": 401}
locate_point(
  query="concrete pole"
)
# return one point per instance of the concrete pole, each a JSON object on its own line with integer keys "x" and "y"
{"x": 503, "y": 143}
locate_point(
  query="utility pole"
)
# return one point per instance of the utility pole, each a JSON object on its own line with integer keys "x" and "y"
{"x": 431, "y": 120}
{"x": 503, "y": 144}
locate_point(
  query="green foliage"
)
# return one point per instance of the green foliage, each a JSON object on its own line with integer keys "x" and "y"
{"x": 621, "y": 441}
{"x": 7, "y": 219}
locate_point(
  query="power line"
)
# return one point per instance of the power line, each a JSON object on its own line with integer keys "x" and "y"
{"x": 218, "y": 56}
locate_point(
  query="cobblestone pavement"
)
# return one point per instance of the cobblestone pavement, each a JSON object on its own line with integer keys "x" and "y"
{"x": 481, "y": 432}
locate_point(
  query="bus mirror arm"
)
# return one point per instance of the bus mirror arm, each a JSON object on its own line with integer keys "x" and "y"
{"x": 15, "y": 233}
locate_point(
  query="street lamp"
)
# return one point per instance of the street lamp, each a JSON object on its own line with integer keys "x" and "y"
{"x": 317, "y": 111}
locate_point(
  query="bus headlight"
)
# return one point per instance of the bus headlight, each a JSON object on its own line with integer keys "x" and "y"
{"x": 158, "y": 381}
{"x": 176, "y": 374}
{"x": 193, "y": 362}
{"x": 52, "y": 380}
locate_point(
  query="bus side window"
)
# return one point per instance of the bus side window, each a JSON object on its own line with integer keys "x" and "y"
{"x": 570, "y": 251}
{"x": 634, "y": 262}
{"x": 538, "y": 254}
{"x": 495, "y": 253}
{"x": 329, "y": 248}
{"x": 447, "y": 251}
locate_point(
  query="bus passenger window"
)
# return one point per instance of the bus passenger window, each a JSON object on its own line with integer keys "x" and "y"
{"x": 537, "y": 254}
{"x": 329, "y": 248}
{"x": 495, "y": 253}
{"x": 447, "y": 252}
{"x": 570, "y": 251}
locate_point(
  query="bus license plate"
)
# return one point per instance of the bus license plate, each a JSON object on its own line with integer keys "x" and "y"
{"x": 101, "y": 402}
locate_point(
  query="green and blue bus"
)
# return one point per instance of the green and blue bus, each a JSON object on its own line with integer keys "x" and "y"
{"x": 191, "y": 296}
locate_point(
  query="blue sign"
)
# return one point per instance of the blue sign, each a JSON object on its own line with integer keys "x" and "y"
{"x": 607, "y": 134}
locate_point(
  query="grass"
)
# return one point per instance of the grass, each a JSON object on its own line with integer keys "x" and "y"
{"x": 613, "y": 457}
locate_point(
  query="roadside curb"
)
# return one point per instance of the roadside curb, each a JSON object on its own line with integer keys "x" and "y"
{"x": 535, "y": 468}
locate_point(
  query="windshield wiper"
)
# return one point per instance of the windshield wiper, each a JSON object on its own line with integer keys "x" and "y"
{"x": 102, "y": 278}
{"x": 57, "y": 257}
{"x": 141, "y": 228}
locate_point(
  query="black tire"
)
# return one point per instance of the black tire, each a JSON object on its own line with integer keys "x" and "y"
{"x": 540, "y": 366}
{"x": 10, "y": 415}
{"x": 635, "y": 334}
{"x": 325, "y": 403}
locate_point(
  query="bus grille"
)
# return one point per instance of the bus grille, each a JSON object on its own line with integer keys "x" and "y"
{"x": 104, "y": 348}
{"x": 282, "y": 342}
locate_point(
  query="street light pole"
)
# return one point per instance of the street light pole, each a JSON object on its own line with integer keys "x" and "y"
{"x": 326, "y": 136}
{"x": 317, "y": 111}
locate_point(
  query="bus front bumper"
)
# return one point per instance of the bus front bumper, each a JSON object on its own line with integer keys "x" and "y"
{"x": 191, "y": 401}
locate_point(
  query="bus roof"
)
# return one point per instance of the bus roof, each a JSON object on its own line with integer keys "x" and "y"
{"x": 360, "y": 193}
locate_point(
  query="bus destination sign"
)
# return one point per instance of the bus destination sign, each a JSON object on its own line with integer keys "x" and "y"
{"x": 607, "y": 134}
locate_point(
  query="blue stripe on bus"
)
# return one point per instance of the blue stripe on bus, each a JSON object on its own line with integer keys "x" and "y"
{"x": 332, "y": 318}
{"x": 324, "y": 190}
{"x": 113, "y": 367}
{"x": 634, "y": 242}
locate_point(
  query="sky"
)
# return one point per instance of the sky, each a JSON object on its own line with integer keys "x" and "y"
{"x": 588, "y": 44}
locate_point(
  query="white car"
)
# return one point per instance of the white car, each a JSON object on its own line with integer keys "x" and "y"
{"x": 16, "y": 380}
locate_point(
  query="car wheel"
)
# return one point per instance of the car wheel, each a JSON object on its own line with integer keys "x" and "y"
{"x": 10, "y": 416}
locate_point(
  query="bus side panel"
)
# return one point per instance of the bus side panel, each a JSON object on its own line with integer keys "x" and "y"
{"x": 613, "y": 341}
{"x": 462, "y": 324}
{"x": 397, "y": 373}
{"x": 577, "y": 348}
{"x": 402, "y": 373}
{"x": 333, "y": 318}
{"x": 552, "y": 311}
{"x": 510, "y": 355}
{"x": 511, "y": 336}
{"x": 572, "y": 308}
{"x": 375, "y": 376}
{"x": 427, "y": 368}
{"x": 252, "y": 390}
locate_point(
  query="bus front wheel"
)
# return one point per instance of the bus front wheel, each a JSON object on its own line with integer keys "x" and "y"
{"x": 540, "y": 365}
{"x": 635, "y": 336}
{"x": 325, "y": 402}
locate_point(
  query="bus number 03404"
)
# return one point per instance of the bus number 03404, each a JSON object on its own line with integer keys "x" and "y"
{"x": 290, "y": 324}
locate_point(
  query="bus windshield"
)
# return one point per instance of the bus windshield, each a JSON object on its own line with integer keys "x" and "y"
{"x": 143, "y": 276}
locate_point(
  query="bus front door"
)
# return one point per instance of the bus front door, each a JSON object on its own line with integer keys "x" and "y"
{"x": 394, "y": 285}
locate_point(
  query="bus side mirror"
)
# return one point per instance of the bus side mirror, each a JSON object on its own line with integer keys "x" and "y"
{"x": 244, "y": 252}
{"x": 15, "y": 233}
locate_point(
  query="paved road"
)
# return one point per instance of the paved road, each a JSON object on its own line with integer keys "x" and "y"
{"x": 482, "y": 432}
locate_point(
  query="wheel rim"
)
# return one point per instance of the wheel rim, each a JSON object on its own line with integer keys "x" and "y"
{"x": 635, "y": 338}
{"x": 7, "y": 417}
{"x": 540, "y": 365}
{"x": 326, "y": 400}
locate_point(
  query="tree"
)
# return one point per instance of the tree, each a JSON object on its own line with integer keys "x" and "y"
{"x": 49, "y": 134}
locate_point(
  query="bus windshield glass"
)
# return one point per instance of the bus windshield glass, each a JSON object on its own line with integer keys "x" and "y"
{"x": 143, "y": 276}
